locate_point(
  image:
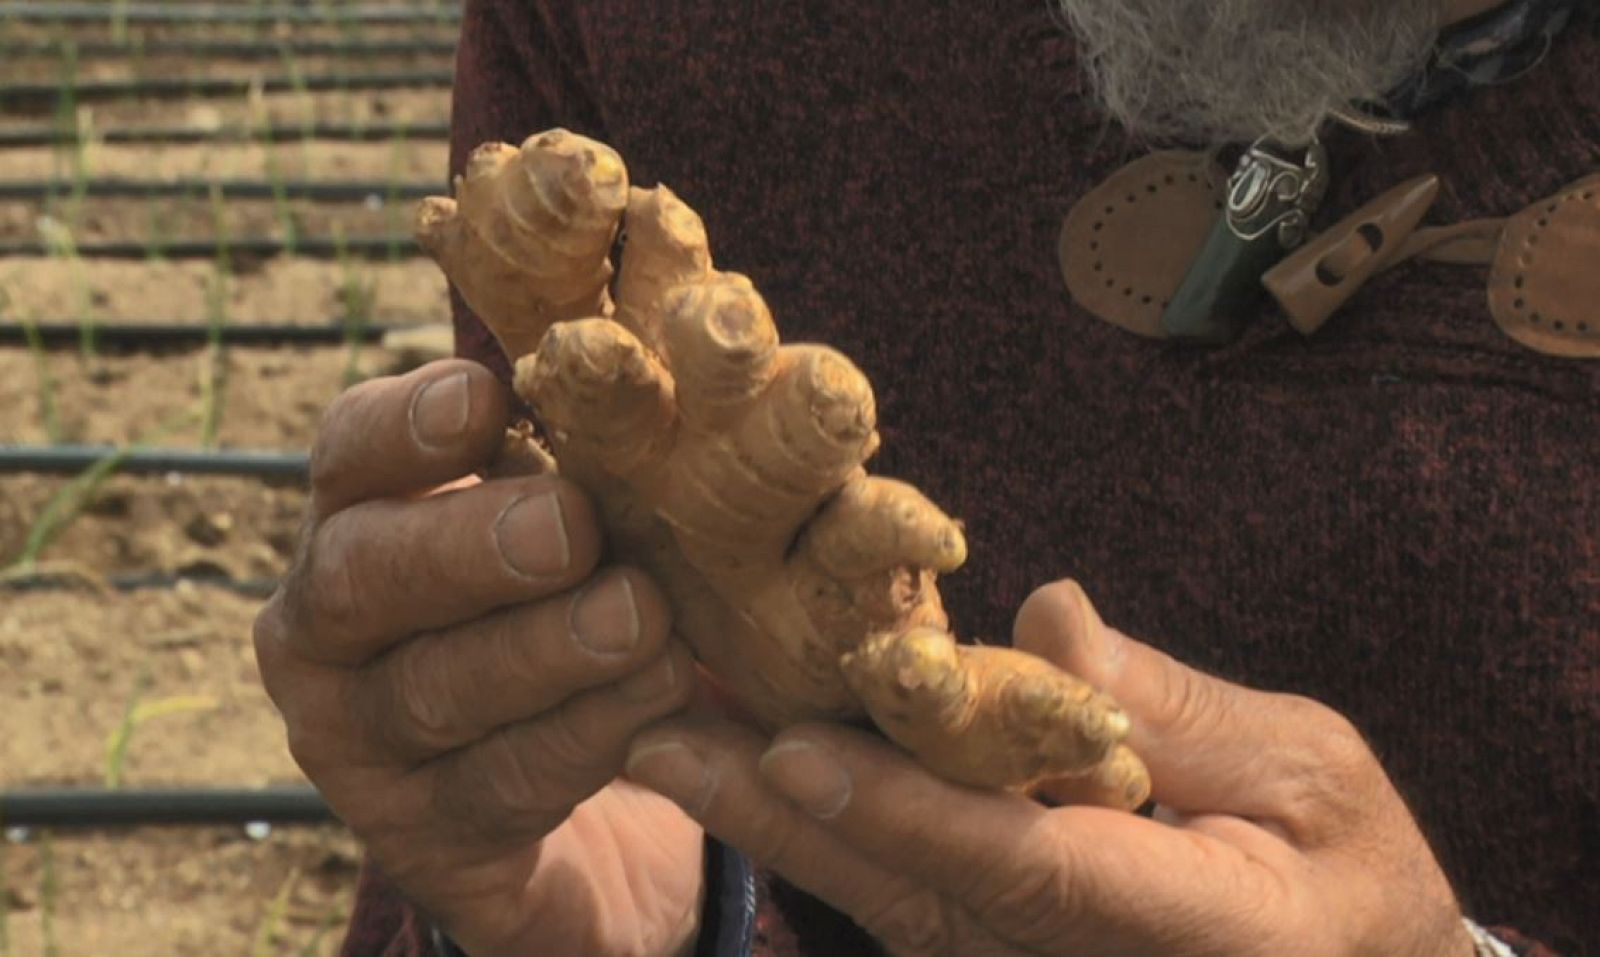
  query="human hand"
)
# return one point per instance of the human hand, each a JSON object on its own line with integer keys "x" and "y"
{"x": 1279, "y": 833}
{"x": 461, "y": 684}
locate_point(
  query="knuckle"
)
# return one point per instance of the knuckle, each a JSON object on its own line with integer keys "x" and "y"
{"x": 912, "y": 924}
{"x": 514, "y": 783}
{"x": 328, "y": 460}
{"x": 565, "y": 746}
{"x": 329, "y": 590}
{"x": 1192, "y": 701}
{"x": 268, "y": 635}
{"x": 774, "y": 833}
{"x": 1339, "y": 746}
{"x": 1331, "y": 777}
{"x": 311, "y": 740}
{"x": 426, "y": 719}
{"x": 1033, "y": 902}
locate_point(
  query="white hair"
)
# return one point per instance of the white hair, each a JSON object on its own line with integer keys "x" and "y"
{"x": 1217, "y": 71}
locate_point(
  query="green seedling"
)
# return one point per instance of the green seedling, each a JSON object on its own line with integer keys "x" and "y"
{"x": 117, "y": 742}
{"x": 158, "y": 231}
{"x": 357, "y": 295}
{"x": 277, "y": 909}
{"x": 66, "y": 118}
{"x": 139, "y": 712}
{"x": 214, "y": 372}
{"x": 58, "y": 240}
{"x": 82, "y": 141}
{"x": 66, "y": 505}
{"x": 262, "y": 123}
{"x": 47, "y": 894}
{"x": 392, "y": 207}
{"x": 119, "y": 22}
{"x": 307, "y": 105}
{"x": 335, "y": 917}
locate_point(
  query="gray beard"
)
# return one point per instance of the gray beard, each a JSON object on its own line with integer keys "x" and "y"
{"x": 1217, "y": 71}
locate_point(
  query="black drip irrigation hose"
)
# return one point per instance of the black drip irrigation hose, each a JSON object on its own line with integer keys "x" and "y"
{"x": 231, "y": 189}
{"x": 315, "y": 247}
{"x": 143, "y": 581}
{"x": 236, "y": 49}
{"x": 154, "y": 335}
{"x": 95, "y": 807}
{"x": 339, "y": 132}
{"x": 46, "y": 96}
{"x": 74, "y": 459}
{"x": 61, "y": 12}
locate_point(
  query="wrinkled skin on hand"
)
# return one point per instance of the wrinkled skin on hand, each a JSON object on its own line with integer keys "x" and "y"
{"x": 460, "y": 681}
{"x": 1278, "y": 833}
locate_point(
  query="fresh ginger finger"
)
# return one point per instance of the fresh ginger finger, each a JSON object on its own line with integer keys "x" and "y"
{"x": 666, "y": 248}
{"x": 877, "y": 524}
{"x": 1120, "y": 781}
{"x": 723, "y": 347}
{"x": 527, "y": 238}
{"x": 602, "y": 394}
{"x": 746, "y": 491}
{"x": 985, "y": 716}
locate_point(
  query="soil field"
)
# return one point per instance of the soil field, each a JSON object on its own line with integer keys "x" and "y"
{"x": 78, "y": 656}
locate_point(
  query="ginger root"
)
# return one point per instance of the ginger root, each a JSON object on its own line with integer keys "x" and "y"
{"x": 729, "y": 466}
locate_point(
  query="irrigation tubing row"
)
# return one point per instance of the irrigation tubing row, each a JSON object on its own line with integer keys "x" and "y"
{"x": 260, "y": 247}
{"x": 150, "y": 335}
{"x": 143, "y": 581}
{"x": 74, "y": 459}
{"x": 97, "y": 807}
{"x": 325, "y": 191}
{"x": 340, "y": 132}
{"x": 46, "y": 96}
{"x": 236, "y": 49}
{"x": 60, "y": 12}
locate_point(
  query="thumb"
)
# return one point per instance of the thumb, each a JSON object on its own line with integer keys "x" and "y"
{"x": 1211, "y": 746}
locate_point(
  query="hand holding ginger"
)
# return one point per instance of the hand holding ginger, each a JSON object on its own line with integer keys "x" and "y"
{"x": 465, "y": 706}
{"x": 729, "y": 466}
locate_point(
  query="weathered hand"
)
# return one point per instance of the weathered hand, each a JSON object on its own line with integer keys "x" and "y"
{"x": 461, "y": 684}
{"x": 1279, "y": 833}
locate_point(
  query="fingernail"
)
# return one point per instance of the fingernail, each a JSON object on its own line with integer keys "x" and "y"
{"x": 531, "y": 534}
{"x": 809, "y": 776}
{"x": 604, "y": 617}
{"x": 674, "y": 771}
{"x": 651, "y": 684}
{"x": 440, "y": 411}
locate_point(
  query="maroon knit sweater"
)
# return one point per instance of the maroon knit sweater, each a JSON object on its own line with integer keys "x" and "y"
{"x": 1399, "y": 517}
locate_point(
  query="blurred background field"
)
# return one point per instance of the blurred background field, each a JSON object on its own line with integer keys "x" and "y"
{"x": 173, "y": 176}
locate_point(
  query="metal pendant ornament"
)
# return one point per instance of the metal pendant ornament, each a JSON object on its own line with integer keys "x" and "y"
{"x": 1271, "y": 198}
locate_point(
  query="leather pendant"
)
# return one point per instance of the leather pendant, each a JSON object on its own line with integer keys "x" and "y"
{"x": 1271, "y": 197}
{"x": 1127, "y": 245}
{"x": 1544, "y": 289}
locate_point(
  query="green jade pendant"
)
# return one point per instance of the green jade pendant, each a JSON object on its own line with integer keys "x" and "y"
{"x": 1271, "y": 197}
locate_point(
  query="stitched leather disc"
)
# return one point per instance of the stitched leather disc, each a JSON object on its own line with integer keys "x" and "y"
{"x": 1544, "y": 289}
{"x": 1127, "y": 245}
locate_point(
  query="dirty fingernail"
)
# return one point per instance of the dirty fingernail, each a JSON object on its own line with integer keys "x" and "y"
{"x": 673, "y": 770}
{"x": 808, "y": 775}
{"x": 651, "y": 684}
{"x": 531, "y": 534}
{"x": 440, "y": 410}
{"x": 604, "y": 618}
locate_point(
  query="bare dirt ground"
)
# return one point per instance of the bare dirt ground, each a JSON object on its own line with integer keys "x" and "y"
{"x": 73, "y": 657}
